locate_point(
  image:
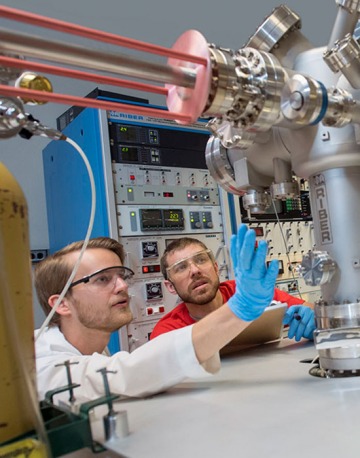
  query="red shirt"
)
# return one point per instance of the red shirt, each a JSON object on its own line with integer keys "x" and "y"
{"x": 179, "y": 317}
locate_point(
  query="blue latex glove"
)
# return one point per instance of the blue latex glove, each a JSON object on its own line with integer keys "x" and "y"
{"x": 255, "y": 282}
{"x": 301, "y": 321}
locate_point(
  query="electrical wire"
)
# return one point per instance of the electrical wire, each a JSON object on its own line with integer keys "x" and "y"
{"x": 86, "y": 240}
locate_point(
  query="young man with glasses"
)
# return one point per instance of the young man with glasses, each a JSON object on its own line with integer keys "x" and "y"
{"x": 97, "y": 304}
{"x": 190, "y": 271}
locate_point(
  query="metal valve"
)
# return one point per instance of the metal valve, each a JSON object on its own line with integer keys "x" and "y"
{"x": 317, "y": 268}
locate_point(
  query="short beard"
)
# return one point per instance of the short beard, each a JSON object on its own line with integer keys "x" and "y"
{"x": 200, "y": 300}
{"x": 93, "y": 321}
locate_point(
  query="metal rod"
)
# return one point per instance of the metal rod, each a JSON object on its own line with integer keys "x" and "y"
{"x": 67, "y": 365}
{"x": 40, "y": 48}
{"x": 345, "y": 22}
{"x": 91, "y": 103}
{"x": 70, "y": 73}
{"x": 104, "y": 373}
{"x": 67, "y": 27}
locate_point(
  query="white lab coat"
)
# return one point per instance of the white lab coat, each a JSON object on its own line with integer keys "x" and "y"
{"x": 151, "y": 368}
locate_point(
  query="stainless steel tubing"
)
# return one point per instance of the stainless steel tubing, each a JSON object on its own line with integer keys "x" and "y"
{"x": 79, "y": 56}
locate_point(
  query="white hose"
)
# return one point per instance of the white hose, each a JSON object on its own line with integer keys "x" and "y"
{"x": 86, "y": 240}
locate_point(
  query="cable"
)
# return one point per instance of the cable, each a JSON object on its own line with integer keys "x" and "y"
{"x": 86, "y": 240}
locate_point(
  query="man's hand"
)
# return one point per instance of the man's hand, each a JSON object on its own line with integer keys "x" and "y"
{"x": 255, "y": 282}
{"x": 301, "y": 321}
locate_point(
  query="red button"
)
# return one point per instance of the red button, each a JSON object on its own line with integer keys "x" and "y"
{"x": 149, "y": 311}
{"x": 161, "y": 309}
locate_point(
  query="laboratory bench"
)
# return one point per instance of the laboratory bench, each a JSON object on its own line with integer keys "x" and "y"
{"x": 263, "y": 403}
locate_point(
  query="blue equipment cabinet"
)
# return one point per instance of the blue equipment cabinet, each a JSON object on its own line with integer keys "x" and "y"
{"x": 67, "y": 185}
{"x": 152, "y": 186}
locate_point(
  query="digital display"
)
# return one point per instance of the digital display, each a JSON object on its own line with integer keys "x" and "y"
{"x": 129, "y": 153}
{"x": 151, "y": 269}
{"x": 173, "y": 218}
{"x": 127, "y": 133}
{"x": 156, "y": 219}
{"x": 151, "y": 219}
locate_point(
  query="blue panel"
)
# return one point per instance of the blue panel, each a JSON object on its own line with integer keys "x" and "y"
{"x": 67, "y": 187}
{"x": 67, "y": 184}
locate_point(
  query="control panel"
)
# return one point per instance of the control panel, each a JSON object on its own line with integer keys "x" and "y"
{"x": 288, "y": 241}
{"x": 287, "y": 227}
{"x": 163, "y": 191}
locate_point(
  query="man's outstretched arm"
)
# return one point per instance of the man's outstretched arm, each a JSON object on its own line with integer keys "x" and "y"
{"x": 255, "y": 283}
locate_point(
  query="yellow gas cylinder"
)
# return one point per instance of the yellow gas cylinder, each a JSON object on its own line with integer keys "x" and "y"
{"x": 19, "y": 411}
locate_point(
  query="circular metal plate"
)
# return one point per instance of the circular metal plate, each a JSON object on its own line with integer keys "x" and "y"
{"x": 189, "y": 101}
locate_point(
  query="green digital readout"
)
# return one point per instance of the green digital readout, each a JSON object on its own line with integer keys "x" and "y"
{"x": 127, "y": 134}
{"x": 129, "y": 153}
{"x": 173, "y": 218}
{"x": 158, "y": 219}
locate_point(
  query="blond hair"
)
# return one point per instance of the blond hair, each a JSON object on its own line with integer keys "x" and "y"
{"x": 51, "y": 274}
